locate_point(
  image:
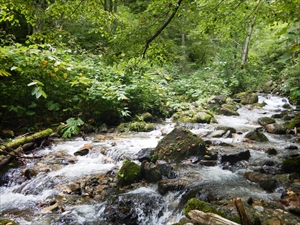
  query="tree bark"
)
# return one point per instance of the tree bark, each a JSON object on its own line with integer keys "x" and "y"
{"x": 157, "y": 33}
{"x": 247, "y": 42}
{"x": 203, "y": 218}
{"x": 9, "y": 151}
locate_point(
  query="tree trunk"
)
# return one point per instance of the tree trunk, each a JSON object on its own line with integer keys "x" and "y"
{"x": 247, "y": 42}
{"x": 203, "y": 218}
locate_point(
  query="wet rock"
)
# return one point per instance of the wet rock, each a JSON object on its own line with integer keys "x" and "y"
{"x": 234, "y": 158}
{"x": 134, "y": 208}
{"x": 228, "y": 110}
{"x": 275, "y": 128}
{"x": 150, "y": 172}
{"x": 166, "y": 170}
{"x": 271, "y": 151}
{"x": 196, "y": 115}
{"x": 217, "y": 133}
{"x": 247, "y": 98}
{"x": 256, "y": 135}
{"x": 139, "y": 126}
{"x": 144, "y": 154}
{"x": 29, "y": 173}
{"x": 84, "y": 150}
{"x": 129, "y": 173}
{"x": 166, "y": 185}
{"x": 265, "y": 120}
{"x": 178, "y": 145}
{"x": 291, "y": 164}
{"x": 291, "y": 147}
{"x": 267, "y": 182}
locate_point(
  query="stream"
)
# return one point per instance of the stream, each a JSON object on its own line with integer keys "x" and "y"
{"x": 24, "y": 196}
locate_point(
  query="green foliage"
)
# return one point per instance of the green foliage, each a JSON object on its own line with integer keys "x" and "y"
{"x": 72, "y": 127}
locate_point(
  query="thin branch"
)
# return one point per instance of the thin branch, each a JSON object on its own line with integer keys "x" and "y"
{"x": 157, "y": 33}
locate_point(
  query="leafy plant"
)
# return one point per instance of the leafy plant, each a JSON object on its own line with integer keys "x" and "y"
{"x": 71, "y": 127}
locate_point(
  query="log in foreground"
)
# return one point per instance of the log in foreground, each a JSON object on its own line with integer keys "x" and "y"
{"x": 9, "y": 151}
{"x": 203, "y": 218}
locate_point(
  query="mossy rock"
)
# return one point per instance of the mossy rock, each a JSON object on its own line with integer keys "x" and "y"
{"x": 291, "y": 165}
{"x": 256, "y": 136}
{"x": 178, "y": 145}
{"x": 4, "y": 221}
{"x": 247, "y": 98}
{"x": 227, "y": 110}
{"x": 295, "y": 122}
{"x": 129, "y": 173}
{"x": 139, "y": 126}
{"x": 266, "y": 120}
{"x": 195, "y": 204}
{"x": 194, "y": 116}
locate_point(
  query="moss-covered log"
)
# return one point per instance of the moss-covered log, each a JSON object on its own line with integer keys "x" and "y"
{"x": 16, "y": 143}
{"x": 9, "y": 151}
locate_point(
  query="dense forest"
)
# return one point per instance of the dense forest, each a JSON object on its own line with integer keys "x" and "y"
{"x": 109, "y": 61}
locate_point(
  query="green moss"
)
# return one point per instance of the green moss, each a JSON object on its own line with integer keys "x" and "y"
{"x": 7, "y": 221}
{"x": 195, "y": 204}
{"x": 129, "y": 173}
{"x": 180, "y": 144}
{"x": 139, "y": 126}
{"x": 295, "y": 122}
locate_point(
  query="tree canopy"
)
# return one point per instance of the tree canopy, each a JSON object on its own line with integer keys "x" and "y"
{"x": 109, "y": 60}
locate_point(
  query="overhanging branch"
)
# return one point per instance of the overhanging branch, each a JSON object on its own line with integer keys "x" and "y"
{"x": 157, "y": 33}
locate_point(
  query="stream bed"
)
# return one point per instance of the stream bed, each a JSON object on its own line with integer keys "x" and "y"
{"x": 50, "y": 174}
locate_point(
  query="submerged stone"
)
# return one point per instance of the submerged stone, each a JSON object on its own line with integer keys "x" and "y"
{"x": 178, "y": 145}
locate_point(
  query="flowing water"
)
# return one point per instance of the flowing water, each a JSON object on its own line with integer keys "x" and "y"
{"x": 21, "y": 198}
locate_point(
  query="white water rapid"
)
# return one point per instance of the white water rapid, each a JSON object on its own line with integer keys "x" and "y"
{"x": 21, "y": 199}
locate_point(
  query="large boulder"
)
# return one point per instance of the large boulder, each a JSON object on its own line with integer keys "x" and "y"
{"x": 178, "y": 145}
{"x": 256, "y": 135}
{"x": 134, "y": 208}
{"x": 150, "y": 172}
{"x": 227, "y": 110}
{"x": 265, "y": 181}
{"x": 275, "y": 128}
{"x": 194, "y": 115}
{"x": 247, "y": 98}
{"x": 266, "y": 120}
{"x": 129, "y": 173}
{"x": 234, "y": 158}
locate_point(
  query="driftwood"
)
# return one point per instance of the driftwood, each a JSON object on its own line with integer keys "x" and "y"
{"x": 241, "y": 210}
{"x": 203, "y": 218}
{"x": 12, "y": 149}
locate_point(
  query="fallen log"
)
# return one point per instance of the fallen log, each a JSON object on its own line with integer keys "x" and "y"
{"x": 8, "y": 153}
{"x": 16, "y": 143}
{"x": 203, "y": 218}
